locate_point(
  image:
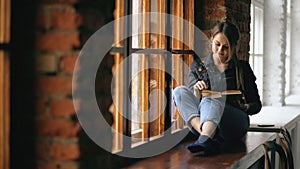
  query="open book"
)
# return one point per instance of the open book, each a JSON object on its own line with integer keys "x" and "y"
{"x": 229, "y": 94}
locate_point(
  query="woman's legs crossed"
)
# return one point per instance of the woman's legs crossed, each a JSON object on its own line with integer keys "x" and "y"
{"x": 187, "y": 105}
{"x": 211, "y": 111}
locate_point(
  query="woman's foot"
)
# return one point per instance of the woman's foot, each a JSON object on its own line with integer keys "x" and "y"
{"x": 204, "y": 144}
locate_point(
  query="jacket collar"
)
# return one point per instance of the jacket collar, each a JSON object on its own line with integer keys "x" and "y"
{"x": 209, "y": 62}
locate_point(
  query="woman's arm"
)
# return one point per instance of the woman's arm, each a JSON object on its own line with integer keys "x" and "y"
{"x": 251, "y": 92}
{"x": 192, "y": 80}
{"x": 195, "y": 79}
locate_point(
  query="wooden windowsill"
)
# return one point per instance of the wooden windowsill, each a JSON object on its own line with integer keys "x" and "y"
{"x": 237, "y": 155}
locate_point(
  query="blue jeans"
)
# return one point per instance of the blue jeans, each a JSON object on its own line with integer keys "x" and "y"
{"x": 232, "y": 122}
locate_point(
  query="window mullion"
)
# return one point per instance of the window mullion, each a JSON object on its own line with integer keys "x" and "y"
{"x": 168, "y": 68}
{"x": 144, "y": 40}
{"x": 127, "y": 77}
{"x": 161, "y": 41}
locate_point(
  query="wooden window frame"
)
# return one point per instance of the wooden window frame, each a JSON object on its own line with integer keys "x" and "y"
{"x": 4, "y": 82}
{"x": 124, "y": 48}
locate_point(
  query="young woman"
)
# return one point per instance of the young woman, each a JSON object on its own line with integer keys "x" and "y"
{"x": 218, "y": 119}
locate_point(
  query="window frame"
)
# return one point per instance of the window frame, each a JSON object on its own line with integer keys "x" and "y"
{"x": 125, "y": 48}
{"x": 5, "y": 14}
{"x": 253, "y": 56}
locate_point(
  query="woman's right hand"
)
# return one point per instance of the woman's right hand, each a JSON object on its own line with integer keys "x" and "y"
{"x": 198, "y": 87}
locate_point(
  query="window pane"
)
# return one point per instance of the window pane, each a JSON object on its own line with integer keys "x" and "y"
{"x": 258, "y": 46}
{"x": 288, "y": 49}
{"x": 256, "y": 43}
{"x": 177, "y": 74}
{"x": 147, "y": 96}
{"x": 139, "y": 98}
{"x": 116, "y": 108}
{"x": 119, "y": 27}
{"x": 157, "y": 99}
{"x": 136, "y": 8}
{"x": 135, "y": 90}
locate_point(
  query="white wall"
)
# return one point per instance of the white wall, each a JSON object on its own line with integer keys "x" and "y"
{"x": 274, "y": 52}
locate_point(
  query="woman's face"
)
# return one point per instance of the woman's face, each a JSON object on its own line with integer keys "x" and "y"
{"x": 220, "y": 47}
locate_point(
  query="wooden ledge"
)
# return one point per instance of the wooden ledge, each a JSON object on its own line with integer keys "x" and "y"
{"x": 242, "y": 155}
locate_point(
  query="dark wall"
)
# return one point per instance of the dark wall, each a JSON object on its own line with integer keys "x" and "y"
{"x": 22, "y": 126}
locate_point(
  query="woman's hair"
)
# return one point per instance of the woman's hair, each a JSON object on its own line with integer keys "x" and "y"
{"x": 232, "y": 34}
{"x": 230, "y": 31}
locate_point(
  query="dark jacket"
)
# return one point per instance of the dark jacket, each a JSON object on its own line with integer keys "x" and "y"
{"x": 204, "y": 69}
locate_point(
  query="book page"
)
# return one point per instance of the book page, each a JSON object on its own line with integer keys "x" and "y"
{"x": 216, "y": 94}
{"x": 212, "y": 94}
{"x": 228, "y": 92}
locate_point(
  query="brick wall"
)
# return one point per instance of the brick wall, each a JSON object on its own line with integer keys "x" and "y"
{"x": 208, "y": 12}
{"x": 62, "y": 28}
{"x": 239, "y": 12}
{"x": 57, "y": 46}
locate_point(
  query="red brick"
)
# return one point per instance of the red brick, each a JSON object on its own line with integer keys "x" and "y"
{"x": 57, "y": 41}
{"x": 42, "y": 21}
{"x": 40, "y": 107}
{"x": 65, "y": 20}
{"x": 68, "y": 63}
{"x": 62, "y": 108}
{"x": 46, "y": 63}
{"x": 41, "y": 151}
{"x": 54, "y": 85}
{"x": 57, "y": 128}
{"x": 215, "y": 14}
{"x": 61, "y": 152}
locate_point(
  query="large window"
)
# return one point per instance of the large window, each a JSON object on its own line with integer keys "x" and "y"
{"x": 150, "y": 110}
{"x": 256, "y": 42}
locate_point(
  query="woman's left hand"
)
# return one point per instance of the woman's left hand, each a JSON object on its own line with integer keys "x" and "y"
{"x": 240, "y": 105}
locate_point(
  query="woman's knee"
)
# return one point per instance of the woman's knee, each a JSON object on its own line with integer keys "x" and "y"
{"x": 211, "y": 109}
{"x": 178, "y": 92}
